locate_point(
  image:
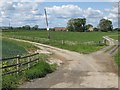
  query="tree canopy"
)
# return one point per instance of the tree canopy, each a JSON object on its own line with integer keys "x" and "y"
{"x": 105, "y": 25}
{"x": 77, "y": 24}
{"x": 35, "y": 27}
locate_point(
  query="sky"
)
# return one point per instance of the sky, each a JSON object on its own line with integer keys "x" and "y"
{"x": 19, "y": 13}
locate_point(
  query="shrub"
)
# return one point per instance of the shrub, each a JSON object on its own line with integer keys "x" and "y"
{"x": 9, "y": 82}
{"x": 39, "y": 70}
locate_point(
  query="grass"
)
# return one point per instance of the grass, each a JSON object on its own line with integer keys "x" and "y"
{"x": 117, "y": 58}
{"x": 12, "y": 48}
{"x": 38, "y": 71}
{"x": 83, "y": 42}
{"x": 41, "y": 69}
{"x": 115, "y": 37}
{"x": 81, "y": 48}
{"x": 70, "y": 36}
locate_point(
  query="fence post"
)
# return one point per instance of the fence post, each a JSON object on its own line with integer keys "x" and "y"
{"x": 62, "y": 42}
{"x": 37, "y": 57}
{"x": 28, "y": 63}
{"x": 18, "y": 62}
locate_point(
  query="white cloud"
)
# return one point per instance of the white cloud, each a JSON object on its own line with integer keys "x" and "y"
{"x": 69, "y": 0}
{"x": 30, "y": 13}
{"x": 114, "y": 10}
{"x": 64, "y": 11}
{"x": 92, "y": 13}
{"x": 28, "y": 0}
{"x": 17, "y": 11}
{"x": 112, "y": 14}
{"x": 71, "y": 11}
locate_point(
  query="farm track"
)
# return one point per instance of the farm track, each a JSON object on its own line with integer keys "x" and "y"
{"x": 114, "y": 50}
{"x": 96, "y": 70}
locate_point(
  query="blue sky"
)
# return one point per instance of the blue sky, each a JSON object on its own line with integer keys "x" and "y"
{"x": 32, "y": 13}
{"x": 84, "y": 5}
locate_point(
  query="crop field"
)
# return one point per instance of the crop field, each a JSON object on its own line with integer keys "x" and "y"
{"x": 82, "y": 42}
{"x": 12, "y": 48}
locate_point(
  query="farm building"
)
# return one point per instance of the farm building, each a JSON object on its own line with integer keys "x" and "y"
{"x": 90, "y": 29}
{"x": 60, "y": 29}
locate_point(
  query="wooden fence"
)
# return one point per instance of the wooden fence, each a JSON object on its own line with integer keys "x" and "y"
{"x": 19, "y": 63}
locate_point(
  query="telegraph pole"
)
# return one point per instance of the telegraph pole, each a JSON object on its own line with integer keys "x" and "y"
{"x": 47, "y": 24}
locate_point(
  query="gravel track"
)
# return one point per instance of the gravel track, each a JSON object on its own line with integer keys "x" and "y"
{"x": 96, "y": 70}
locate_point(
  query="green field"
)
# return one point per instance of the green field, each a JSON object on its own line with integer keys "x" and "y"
{"x": 83, "y": 42}
{"x": 12, "y": 48}
{"x": 116, "y": 37}
{"x": 70, "y": 36}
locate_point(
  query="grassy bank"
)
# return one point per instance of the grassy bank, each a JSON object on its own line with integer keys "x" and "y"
{"x": 83, "y": 42}
{"x": 116, "y": 37}
{"x": 117, "y": 58}
{"x": 41, "y": 69}
{"x": 12, "y": 48}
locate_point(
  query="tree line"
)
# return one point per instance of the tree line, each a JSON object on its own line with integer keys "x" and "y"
{"x": 27, "y": 27}
{"x": 79, "y": 25}
{"x": 75, "y": 25}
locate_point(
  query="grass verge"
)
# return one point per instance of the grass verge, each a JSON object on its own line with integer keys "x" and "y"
{"x": 115, "y": 37}
{"x": 41, "y": 69}
{"x": 117, "y": 58}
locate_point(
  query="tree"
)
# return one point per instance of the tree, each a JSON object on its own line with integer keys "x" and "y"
{"x": 96, "y": 29}
{"x": 83, "y": 23}
{"x": 11, "y": 27}
{"x": 117, "y": 29}
{"x": 105, "y": 25}
{"x": 70, "y": 25}
{"x": 35, "y": 27}
{"x": 27, "y": 27}
{"x": 77, "y": 24}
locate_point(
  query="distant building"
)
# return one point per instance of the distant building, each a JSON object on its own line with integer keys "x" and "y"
{"x": 60, "y": 29}
{"x": 90, "y": 29}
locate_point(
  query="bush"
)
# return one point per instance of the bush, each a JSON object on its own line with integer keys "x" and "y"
{"x": 9, "y": 82}
{"x": 40, "y": 70}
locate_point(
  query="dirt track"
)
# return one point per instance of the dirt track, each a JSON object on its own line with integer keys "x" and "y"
{"x": 96, "y": 70}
